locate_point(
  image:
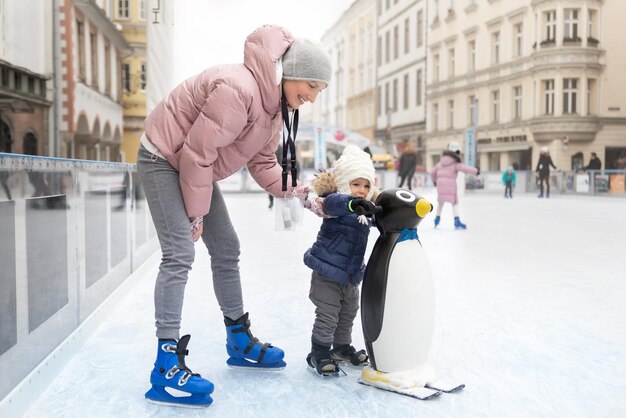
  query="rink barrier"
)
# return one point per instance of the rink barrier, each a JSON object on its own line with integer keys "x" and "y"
{"x": 71, "y": 232}
{"x": 590, "y": 183}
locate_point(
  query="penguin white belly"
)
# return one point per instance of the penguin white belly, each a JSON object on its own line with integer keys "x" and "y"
{"x": 409, "y": 311}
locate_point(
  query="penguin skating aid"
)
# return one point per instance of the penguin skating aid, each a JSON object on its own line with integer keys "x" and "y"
{"x": 398, "y": 290}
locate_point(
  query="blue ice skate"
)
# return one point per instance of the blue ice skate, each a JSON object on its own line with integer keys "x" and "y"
{"x": 458, "y": 224}
{"x": 437, "y": 220}
{"x": 172, "y": 381}
{"x": 246, "y": 351}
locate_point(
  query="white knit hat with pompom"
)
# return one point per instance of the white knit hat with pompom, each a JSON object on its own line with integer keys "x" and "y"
{"x": 354, "y": 163}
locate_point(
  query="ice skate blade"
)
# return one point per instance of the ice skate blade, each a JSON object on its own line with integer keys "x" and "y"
{"x": 248, "y": 365}
{"x": 159, "y": 396}
{"x": 331, "y": 375}
{"x": 178, "y": 405}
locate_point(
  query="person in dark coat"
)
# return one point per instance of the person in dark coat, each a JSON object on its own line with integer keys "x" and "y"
{"x": 543, "y": 171}
{"x": 408, "y": 162}
{"x": 594, "y": 163}
{"x": 344, "y": 199}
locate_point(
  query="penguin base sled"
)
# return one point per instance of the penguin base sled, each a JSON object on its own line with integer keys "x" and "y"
{"x": 408, "y": 383}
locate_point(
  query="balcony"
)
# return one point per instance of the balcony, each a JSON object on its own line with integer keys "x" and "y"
{"x": 579, "y": 129}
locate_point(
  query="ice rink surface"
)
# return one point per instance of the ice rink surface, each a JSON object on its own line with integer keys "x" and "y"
{"x": 531, "y": 315}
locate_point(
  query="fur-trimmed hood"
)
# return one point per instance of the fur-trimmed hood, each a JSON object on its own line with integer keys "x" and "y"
{"x": 325, "y": 184}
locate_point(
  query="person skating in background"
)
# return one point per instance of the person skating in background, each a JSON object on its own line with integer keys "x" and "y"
{"x": 444, "y": 176}
{"x": 508, "y": 179}
{"x": 206, "y": 129}
{"x": 594, "y": 163}
{"x": 344, "y": 199}
{"x": 408, "y": 163}
{"x": 543, "y": 171}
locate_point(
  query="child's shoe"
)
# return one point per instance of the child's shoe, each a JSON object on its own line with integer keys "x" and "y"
{"x": 348, "y": 353}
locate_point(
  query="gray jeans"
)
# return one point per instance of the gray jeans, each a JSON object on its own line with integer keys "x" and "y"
{"x": 162, "y": 189}
{"x": 336, "y": 307}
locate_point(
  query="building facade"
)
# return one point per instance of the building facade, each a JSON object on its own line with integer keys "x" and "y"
{"x": 92, "y": 49}
{"x": 401, "y": 66}
{"x": 132, "y": 15}
{"x": 26, "y": 69}
{"x": 522, "y": 75}
{"x": 360, "y": 20}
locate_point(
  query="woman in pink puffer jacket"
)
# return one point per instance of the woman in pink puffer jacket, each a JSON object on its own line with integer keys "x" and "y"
{"x": 444, "y": 176}
{"x": 206, "y": 129}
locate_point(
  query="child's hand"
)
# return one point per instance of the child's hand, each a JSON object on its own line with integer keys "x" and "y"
{"x": 363, "y": 207}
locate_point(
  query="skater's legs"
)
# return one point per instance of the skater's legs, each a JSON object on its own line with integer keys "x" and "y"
{"x": 455, "y": 210}
{"x": 162, "y": 190}
{"x": 439, "y": 208}
{"x": 221, "y": 240}
{"x": 326, "y": 296}
{"x": 409, "y": 181}
{"x": 349, "y": 309}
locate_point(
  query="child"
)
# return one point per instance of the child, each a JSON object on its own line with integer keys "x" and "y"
{"x": 444, "y": 175}
{"x": 345, "y": 199}
{"x": 508, "y": 179}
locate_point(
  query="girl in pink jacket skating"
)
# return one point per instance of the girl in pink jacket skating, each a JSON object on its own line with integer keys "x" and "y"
{"x": 444, "y": 176}
{"x": 205, "y": 130}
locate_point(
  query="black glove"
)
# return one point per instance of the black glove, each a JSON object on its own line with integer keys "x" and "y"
{"x": 478, "y": 172}
{"x": 363, "y": 207}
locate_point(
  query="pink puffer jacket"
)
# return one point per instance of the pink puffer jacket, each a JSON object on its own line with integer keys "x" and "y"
{"x": 228, "y": 116}
{"x": 444, "y": 176}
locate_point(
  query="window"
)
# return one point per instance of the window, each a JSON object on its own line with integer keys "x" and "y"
{"x": 143, "y": 76}
{"x": 471, "y": 55}
{"x": 80, "y": 44}
{"x": 395, "y": 95}
{"x": 570, "y": 29}
{"x": 123, "y": 9}
{"x": 518, "y": 40}
{"x": 591, "y": 18}
{"x": 517, "y": 102}
{"x": 93, "y": 39}
{"x": 406, "y": 36}
{"x": 107, "y": 68}
{"x": 435, "y": 117}
{"x": 405, "y": 101}
{"x": 451, "y": 62}
{"x": 387, "y": 47}
{"x": 142, "y": 9}
{"x": 549, "y": 96}
{"x": 495, "y": 51}
{"x": 450, "y": 114}
{"x": 570, "y": 86}
{"x": 420, "y": 28}
{"x": 379, "y": 97}
{"x": 387, "y": 102}
{"x": 396, "y": 42}
{"x": 550, "y": 18}
{"x": 436, "y": 67}
{"x": 473, "y": 110}
{"x": 495, "y": 106}
{"x": 126, "y": 77}
{"x": 591, "y": 96}
{"x": 379, "y": 47}
{"x": 418, "y": 88}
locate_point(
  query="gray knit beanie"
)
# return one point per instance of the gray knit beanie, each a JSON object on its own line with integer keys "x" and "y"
{"x": 306, "y": 60}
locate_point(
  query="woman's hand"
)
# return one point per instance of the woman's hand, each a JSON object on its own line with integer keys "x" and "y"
{"x": 196, "y": 227}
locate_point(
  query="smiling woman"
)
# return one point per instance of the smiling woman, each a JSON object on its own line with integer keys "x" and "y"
{"x": 207, "y": 128}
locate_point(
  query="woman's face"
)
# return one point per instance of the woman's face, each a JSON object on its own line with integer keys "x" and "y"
{"x": 299, "y": 92}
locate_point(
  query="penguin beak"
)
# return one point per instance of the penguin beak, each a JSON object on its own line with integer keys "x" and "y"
{"x": 423, "y": 208}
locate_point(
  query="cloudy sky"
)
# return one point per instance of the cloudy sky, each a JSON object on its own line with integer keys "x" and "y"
{"x": 210, "y": 32}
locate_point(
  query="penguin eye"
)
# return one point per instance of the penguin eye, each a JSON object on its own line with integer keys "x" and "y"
{"x": 406, "y": 196}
